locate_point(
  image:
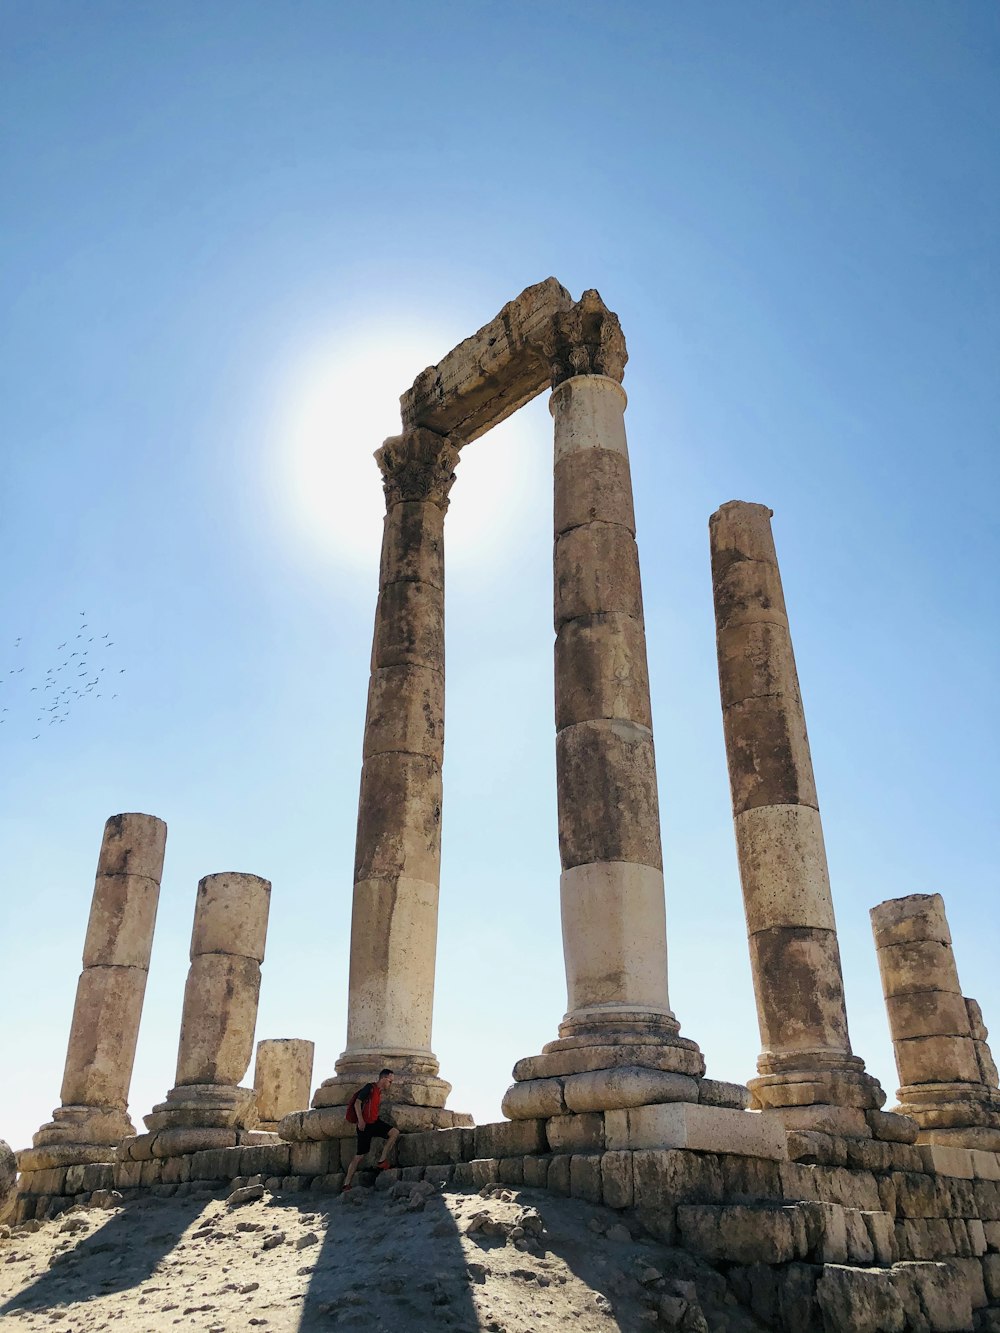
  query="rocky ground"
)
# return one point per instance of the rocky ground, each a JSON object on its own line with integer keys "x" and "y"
{"x": 407, "y": 1258}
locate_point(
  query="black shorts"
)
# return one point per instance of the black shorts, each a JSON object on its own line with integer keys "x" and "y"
{"x": 378, "y": 1129}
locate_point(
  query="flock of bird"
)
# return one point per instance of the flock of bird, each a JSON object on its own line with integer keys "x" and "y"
{"x": 80, "y": 672}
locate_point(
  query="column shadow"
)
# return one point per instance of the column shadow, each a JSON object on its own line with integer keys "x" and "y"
{"x": 87, "y": 1268}
{"x": 385, "y": 1263}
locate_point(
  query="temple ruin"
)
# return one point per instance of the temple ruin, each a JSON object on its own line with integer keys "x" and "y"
{"x": 818, "y": 1205}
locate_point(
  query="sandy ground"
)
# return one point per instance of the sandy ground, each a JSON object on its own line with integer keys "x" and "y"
{"x": 406, "y": 1259}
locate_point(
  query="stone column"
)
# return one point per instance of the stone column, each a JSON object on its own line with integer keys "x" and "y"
{"x": 795, "y": 959}
{"x": 101, "y": 1052}
{"x": 948, "y": 1078}
{"x": 611, "y": 887}
{"x": 207, "y": 1108}
{"x": 282, "y": 1078}
{"x": 398, "y": 853}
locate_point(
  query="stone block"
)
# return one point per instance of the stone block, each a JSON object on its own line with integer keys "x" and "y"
{"x": 596, "y": 572}
{"x": 972, "y": 1275}
{"x": 739, "y": 1234}
{"x": 122, "y": 916}
{"x": 536, "y": 1172}
{"x": 946, "y": 1161}
{"x": 617, "y": 1186}
{"x": 626, "y": 1085}
{"x": 510, "y": 1138}
{"x": 439, "y": 1175}
{"x": 592, "y": 485}
{"x": 882, "y": 1234}
{"x": 871, "y": 1155}
{"x": 558, "y": 1180}
{"x": 176, "y": 1170}
{"x": 310, "y": 1159}
{"x": 405, "y": 713}
{"x": 510, "y": 1170}
{"x": 663, "y": 1177}
{"x": 98, "y": 1176}
{"x": 488, "y": 376}
{"x": 991, "y": 1275}
{"x": 917, "y": 965}
{"x": 732, "y": 1096}
{"x": 74, "y": 1179}
{"x": 851, "y": 1189}
{"x": 533, "y": 1098}
{"x": 840, "y": 1121}
{"x": 218, "y": 1018}
{"x": 485, "y": 1170}
{"x": 399, "y": 790}
{"x": 575, "y": 1133}
{"x": 182, "y": 1142}
{"x": 270, "y": 1159}
{"x": 413, "y": 544}
{"x": 991, "y": 1230}
{"x": 409, "y": 626}
{"x": 861, "y": 1300}
{"x": 601, "y": 670}
{"x": 826, "y": 1232}
{"x": 936, "y": 1060}
{"x": 282, "y": 1077}
{"x": 436, "y": 1147}
{"x": 216, "y": 1164}
{"x": 928, "y": 1013}
{"x": 817, "y": 1148}
{"x": 585, "y": 1177}
{"x": 698, "y": 1128}
{"x": 860, "y": 1247}
{"x": 607, "y": 795}
{"x": 678, "y": 1056}
{"x": 891, "y": 1127}
{"x": 985, "y": 1165}
{"x": 127, "y": 1174}
{"x": 150, "y": 1173}
{"x": 749, "y": 1179}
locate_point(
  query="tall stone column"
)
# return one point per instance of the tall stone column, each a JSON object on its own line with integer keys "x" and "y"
{"x": 948, "y": 1078}
{"x": 207, "y": 1108}
{"x": 611, "y": 887}
{"x": 93, "y": 1116}
{"x": 398, "y": 853}
{"x": 795, "y": 959}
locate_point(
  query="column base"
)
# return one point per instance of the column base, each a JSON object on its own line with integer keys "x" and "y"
{"x": 97, "y": 1125}
{"x": 639, "y": 1061}
{"x": 328, "y": 1122}
{"x": 415, "y": 1078}
{"x": 814, "y": 1078}
{"x": 180, "y": 1141}
{"x": 962, "y": 1114}
{"x": 204, "y": 1106}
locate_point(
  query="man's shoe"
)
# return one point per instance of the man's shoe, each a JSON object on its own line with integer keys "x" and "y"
{"x": 381, "y": 1166}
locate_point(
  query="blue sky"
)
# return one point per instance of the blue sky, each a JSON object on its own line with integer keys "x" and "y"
{"x": 233, "y": 234}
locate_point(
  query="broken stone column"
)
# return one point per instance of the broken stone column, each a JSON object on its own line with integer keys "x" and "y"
{"x": 948, "y": 1078}
{"x": 619, "y": 1033}
{"x": 207, "y": 1108}
{"x": 398, "y": 853}
{"x": 282, "y": 1079}
{"x": 806, "y": 1059}
{"x": 93, "y": 1116}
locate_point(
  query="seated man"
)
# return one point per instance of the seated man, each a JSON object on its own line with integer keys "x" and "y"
{"x": 362, "y": 1110}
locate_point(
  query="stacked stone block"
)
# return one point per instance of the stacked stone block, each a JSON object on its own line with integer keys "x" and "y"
{"x": 806, "y": 1067}
{"x": 207, "y": 1108}
{"x": 93, "y": 1116}
{"x": 282, "y": 1079}
{"x": 946, "y": 1071}
{"x": 619, "y": 1042}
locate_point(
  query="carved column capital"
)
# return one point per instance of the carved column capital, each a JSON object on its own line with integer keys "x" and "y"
{"x": 419, "y": 465}
{"x": 586, "y": 340}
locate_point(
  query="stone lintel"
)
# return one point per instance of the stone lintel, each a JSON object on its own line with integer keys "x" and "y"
{"x": 489, "y": 375}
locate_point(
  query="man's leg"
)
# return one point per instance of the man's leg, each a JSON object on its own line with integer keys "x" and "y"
{"x": 355, "y": 1163}
{"x": 391, "y": 1139}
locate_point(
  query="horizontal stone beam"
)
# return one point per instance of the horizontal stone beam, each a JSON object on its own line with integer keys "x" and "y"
{"x": 486, "y": 378}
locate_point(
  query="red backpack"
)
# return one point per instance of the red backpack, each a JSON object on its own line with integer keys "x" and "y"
{"x": 351, "y": 1115}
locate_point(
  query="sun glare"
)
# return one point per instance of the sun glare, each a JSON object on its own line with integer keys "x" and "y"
{"x": 339, "y": 405}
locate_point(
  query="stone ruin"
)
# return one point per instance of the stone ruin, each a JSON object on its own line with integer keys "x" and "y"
{"x": 823, "y": 1209}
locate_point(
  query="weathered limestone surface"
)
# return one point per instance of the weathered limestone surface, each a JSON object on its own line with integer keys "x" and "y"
{"x": 8, "y": 1179}
{"x": 282, "y": 1078}
{"x": 207, "y": 1107}
{"x": 611, "y": 888}
{"x": 806, "y": 1058}
{"x": 105, "y": 1025}
{"x": 398, "y": 855}
{"x": 946, "y": 1071}
{"x": 490, "y": 375}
